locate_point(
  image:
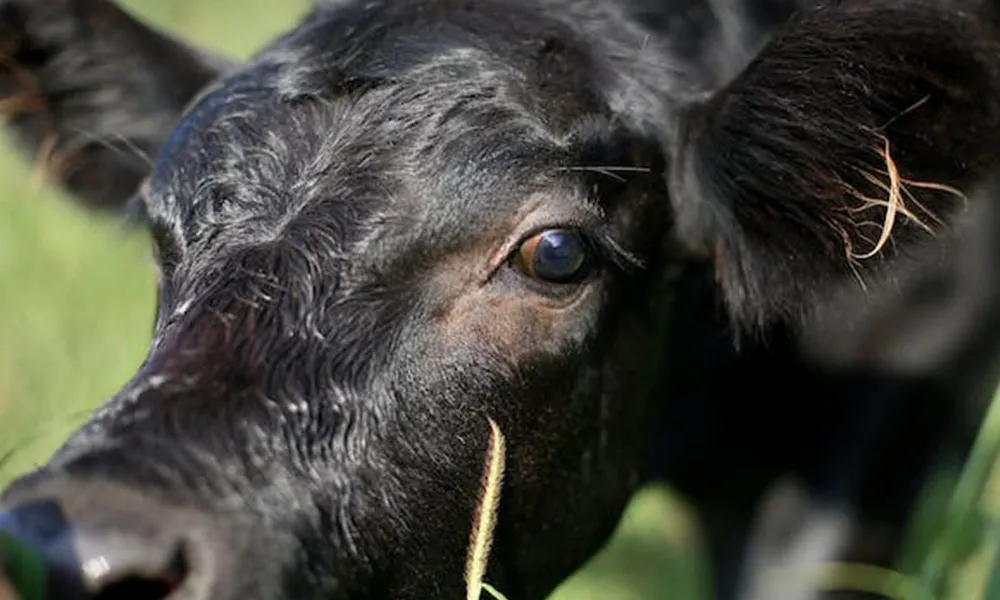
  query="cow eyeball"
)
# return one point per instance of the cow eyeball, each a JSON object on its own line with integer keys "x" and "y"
{"x": 554, "y": 256}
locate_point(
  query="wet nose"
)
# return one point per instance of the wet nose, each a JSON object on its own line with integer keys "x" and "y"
{"x": 122, "y": 548}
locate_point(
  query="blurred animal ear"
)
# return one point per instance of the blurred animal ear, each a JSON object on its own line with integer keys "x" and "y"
{"x": 91, "y": 93}
{"x": 856, "y": 132}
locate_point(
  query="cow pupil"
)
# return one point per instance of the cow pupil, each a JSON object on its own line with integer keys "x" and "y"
{"x": 560, "y": 256}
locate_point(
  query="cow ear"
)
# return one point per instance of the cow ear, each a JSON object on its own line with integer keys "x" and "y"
{"x": 91, "y": 93}
{"x": 859, "y": 130}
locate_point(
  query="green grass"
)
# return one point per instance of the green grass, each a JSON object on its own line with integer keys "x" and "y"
{"x": 76, "y": 293}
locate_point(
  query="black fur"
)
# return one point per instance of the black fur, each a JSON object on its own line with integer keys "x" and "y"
{"x": 340, "y": 315}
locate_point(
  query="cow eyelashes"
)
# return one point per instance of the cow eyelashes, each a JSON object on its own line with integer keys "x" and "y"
{"x": 559, "y": 256}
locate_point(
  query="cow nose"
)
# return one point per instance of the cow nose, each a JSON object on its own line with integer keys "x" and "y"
{"x": 103, "y": 555}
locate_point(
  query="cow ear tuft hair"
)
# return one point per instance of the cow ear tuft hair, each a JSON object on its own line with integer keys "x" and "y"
{"x": 855, "y": 133}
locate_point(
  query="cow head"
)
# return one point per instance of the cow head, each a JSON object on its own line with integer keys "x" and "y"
{"x": 403, "y": 221}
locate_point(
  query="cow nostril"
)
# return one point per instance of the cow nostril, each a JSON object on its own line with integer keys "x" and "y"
{"x": 106, "y": 555}
{"x": 142, "y": 586}
{"x": 136, "y": 588}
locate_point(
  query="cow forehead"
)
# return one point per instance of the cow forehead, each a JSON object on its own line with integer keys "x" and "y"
{"x": 262, "y": 170}
{"x": 423, "y": 157}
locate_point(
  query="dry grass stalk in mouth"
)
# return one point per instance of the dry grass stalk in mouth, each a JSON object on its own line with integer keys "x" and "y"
{"x": 481, "y": 540}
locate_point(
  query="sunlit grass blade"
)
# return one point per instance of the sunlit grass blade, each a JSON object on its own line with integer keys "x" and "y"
{"x": 963, "y": 506}
{"x": 492, "y": 591}
{"x": 993, "y": 585}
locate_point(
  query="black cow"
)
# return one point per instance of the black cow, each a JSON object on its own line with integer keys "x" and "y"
{"x": 637, "y": 236}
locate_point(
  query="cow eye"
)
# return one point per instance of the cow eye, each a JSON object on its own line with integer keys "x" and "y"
{"x": 553, "y": 256}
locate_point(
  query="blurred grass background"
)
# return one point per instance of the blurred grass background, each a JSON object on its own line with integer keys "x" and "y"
{"x": 76, "y": 299}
